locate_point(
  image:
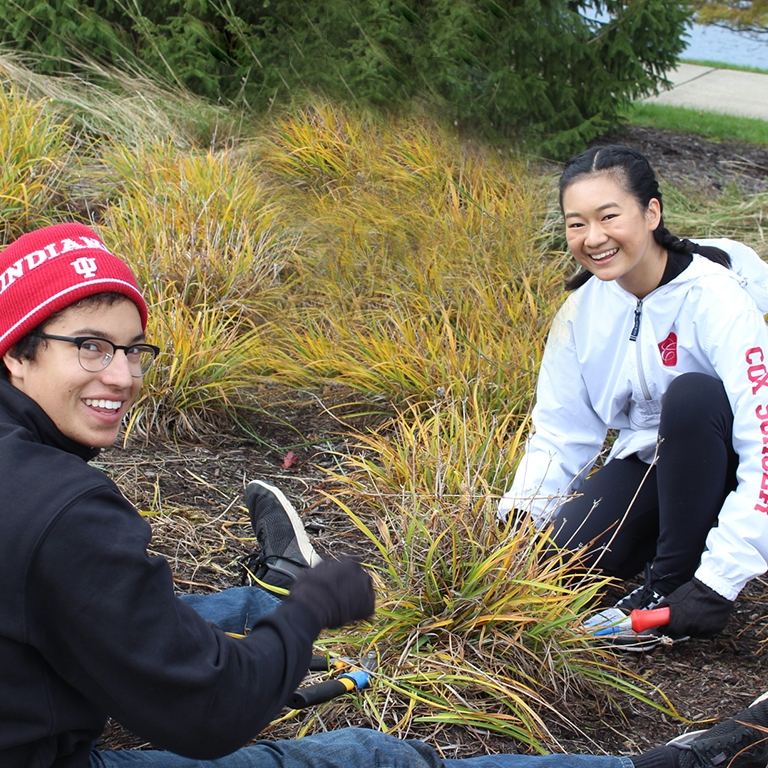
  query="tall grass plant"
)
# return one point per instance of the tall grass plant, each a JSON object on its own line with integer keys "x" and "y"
{"x": 36, "y": 150}
{"x": 478, "y": 623}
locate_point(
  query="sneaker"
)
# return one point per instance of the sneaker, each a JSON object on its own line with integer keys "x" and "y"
{"x": 642, "y": 598}
{"x": 284, "y": 548}
{"x": 739, "y": 742}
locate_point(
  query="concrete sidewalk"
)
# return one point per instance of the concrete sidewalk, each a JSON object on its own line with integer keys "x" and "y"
{"x": 744, "y": 94}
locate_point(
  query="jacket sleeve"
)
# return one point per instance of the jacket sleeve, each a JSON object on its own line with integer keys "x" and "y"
{"x": 567, "y": 433}
{"x": 737, "y": 345}
{"x": 104, "y": 614}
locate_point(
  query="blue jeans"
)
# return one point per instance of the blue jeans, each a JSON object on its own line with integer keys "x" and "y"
{"x": 234, "y": 610}
{"x": 237, "y": 609}
{"x": 347, "y": 748}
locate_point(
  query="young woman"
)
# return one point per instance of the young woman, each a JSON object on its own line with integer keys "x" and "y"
{"x": 664, "y": 342}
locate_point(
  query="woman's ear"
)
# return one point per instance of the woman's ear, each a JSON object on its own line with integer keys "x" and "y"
{"x": 653, "y": 213}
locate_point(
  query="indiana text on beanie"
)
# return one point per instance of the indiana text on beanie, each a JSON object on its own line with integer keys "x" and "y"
{"x": 48, "y": 269}
{"x": 84, "y": 266}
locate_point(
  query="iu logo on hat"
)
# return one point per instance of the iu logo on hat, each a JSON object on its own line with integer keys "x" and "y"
{"x": 84, "y": 266}
{"x": 668, "y": 349}
{"x": 66, "y": 262}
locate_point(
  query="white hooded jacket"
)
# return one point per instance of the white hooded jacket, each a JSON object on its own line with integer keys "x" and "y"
{"x": 609, "y": 359}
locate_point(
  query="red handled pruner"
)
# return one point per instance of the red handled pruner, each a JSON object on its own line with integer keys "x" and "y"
{"x": 614, "y": 620}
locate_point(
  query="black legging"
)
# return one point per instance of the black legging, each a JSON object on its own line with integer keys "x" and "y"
{"x": 631, "y": 513}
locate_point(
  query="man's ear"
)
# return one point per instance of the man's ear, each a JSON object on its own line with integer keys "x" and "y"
{"x": 14, "y": 365}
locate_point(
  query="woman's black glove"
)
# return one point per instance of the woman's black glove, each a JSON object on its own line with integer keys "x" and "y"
{"x": 696, "y": 610}
{"x": 336, "y": 591}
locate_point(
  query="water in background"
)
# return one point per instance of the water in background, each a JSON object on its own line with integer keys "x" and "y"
{"x": 707, "y": 43}
{"x": 722, "y": 45}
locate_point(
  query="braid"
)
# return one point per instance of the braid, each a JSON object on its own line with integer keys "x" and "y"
{"x": 577, "y": 280}
{"x": 667, "y": 240}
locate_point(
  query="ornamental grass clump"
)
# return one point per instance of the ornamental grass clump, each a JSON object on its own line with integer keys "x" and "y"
{"x": 211, "y": 248}
{"x": 124, "y": 104}
{"x": 422, "y": 265}
{"x": 201, "y": 224}
{"x": 35, "y": 153}
{"x": 199, "y": 382}
{"x": 477, "y": 623}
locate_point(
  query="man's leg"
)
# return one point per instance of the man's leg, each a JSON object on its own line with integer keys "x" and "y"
{"x": 739, "y": 742}
{"x": 540, "y": 761}
{"x": 234, "y": 610}
{"x": 346, "y": 748}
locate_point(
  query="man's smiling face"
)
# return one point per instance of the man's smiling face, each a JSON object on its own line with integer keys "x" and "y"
{"x": 86, "y": 407}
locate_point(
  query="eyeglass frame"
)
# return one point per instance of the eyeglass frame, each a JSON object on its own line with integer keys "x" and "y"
{"x": 80, "y": 340}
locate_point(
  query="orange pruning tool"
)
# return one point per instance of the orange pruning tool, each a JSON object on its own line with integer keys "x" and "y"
{"x": 638, "y": 621}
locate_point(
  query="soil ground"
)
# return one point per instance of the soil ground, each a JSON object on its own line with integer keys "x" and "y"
{"x": 205, "y": 532}
{"x": 686, "y": 158}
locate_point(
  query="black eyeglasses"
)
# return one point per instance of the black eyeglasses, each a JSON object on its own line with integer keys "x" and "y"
{"x": 96, "y": 354}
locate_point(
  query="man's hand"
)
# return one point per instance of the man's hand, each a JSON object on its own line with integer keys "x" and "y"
{"x": 336, "y": 591}
{"x": 696, "y": 610}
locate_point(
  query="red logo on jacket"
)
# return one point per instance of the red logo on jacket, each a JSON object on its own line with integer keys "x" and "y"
{"x": 668, "y": 349}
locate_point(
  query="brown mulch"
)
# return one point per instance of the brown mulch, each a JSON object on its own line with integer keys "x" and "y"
{"x": 204, "y": 532}
{"x": 685, "y": 158}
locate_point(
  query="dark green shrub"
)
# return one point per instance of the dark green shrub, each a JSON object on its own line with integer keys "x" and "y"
{"x": 524, "y": 68}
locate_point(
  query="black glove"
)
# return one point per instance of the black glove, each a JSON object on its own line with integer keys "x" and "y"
{"x": 696, "y": 610}
{"x": 336, "y": 591}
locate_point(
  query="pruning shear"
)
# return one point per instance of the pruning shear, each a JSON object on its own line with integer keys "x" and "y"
{"x": 614, "y": 620}
{"x": 354, "y": 680}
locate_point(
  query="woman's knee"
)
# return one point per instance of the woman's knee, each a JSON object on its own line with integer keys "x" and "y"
{"x": 692, "y": 396}
{"x": 691, "y": 390}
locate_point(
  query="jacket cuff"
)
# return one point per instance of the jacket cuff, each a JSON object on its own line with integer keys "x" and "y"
{"x": 716, "y": 583}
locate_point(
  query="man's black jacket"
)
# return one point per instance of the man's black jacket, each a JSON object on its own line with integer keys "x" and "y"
{"x": 90, "y": 626}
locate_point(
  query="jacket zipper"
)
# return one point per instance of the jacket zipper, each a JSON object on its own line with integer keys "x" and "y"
{"x": 638, "y": 357}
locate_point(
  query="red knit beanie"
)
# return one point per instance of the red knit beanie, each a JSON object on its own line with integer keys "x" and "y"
{"x": 48, "y": 269}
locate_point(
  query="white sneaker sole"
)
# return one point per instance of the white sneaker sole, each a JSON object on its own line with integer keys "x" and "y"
{"x": 684, "y": 739}
{"x": 763, "y": 697}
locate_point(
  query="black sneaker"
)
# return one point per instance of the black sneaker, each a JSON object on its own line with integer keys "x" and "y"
{"x": 739, "y": 742}
{"x": 284, "y": 548}
{"x": 642, "y": 599}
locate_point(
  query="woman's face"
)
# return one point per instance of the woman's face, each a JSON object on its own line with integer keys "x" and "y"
{"x": 611, "y": 235}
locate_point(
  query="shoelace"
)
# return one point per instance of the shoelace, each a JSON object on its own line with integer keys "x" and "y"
{"x": 646, "y": 594}
{"x": 255, "y": 561}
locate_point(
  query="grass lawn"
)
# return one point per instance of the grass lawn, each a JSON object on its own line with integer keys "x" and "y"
{"x": 714, "y": 125}
{"x": 720, "y": 65}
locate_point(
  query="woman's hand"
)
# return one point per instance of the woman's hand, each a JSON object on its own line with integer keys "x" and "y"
{"x": 696, "y": 610}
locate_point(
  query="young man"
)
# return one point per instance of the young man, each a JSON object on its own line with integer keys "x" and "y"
{"x": 90, "y": 626}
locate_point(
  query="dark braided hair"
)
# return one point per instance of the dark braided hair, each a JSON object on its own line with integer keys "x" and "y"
{"x": 635, "y": 175}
